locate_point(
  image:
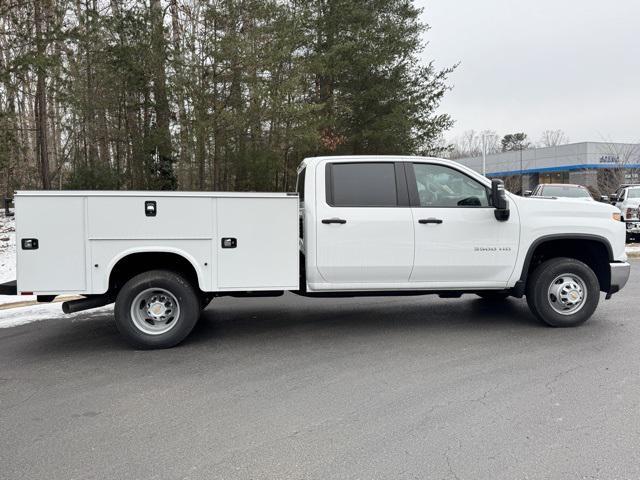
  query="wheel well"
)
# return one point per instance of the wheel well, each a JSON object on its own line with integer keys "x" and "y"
{"x": 135, "y": 263}
{"x": 594, "y": 253}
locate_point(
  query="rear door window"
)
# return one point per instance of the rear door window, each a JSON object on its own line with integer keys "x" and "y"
{"x": 362, "y": 184}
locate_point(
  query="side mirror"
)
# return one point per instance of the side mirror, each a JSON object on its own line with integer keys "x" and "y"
{"x": 527, "y": 193}
{"x": 499, "y": 200}
{"x": 613, "y": 198}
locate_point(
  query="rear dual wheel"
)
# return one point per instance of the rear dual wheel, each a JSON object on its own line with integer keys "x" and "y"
{"x": 563, "y": 292}
{"x": 156, "y": 309}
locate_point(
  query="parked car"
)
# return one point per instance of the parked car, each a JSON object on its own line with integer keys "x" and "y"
{"x": 358, "y": 225}
{"x": 627, "y": 199}
{"x": 560, "y": 190}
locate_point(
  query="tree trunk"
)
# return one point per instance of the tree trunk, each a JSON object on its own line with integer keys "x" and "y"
{"x": 163, "y": 134}
{"x": 179, "y": 88}
{"x": 40, "y": 106}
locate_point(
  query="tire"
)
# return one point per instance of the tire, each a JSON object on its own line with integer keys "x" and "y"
{"x": 156, "y": 309}
{"x": 493, "y": 295}
{"x": 563, "y": 292}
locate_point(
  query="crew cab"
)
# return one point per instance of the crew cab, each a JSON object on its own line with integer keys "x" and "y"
{"x": 357, "y": 225}
{"x": 627, "y": 200}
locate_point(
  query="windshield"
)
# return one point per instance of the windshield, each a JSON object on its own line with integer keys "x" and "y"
{"x": 633, "y": 193}
{"x": 565, "y": 191}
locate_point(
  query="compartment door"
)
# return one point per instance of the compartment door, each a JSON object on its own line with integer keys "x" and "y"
{"x": 261, "y": 251}
{"x": 58, "y": 264}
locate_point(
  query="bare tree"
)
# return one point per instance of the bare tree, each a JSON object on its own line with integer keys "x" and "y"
{"x": 513, "y": 183}
{"x": 465, "y": 145}
{"x": 620, "y": 160}
{"x": 492, "y": 141}
{"x": 552, "y": 138}
{"x": 469, "y": 144}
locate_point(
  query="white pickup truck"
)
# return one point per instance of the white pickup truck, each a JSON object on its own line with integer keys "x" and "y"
{"x": 356, "y": 226}
{"x": 627, "y": 200}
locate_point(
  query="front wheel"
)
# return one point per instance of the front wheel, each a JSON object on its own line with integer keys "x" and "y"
{"x": 156, "y": 309}
{"x": 563, "y": 292}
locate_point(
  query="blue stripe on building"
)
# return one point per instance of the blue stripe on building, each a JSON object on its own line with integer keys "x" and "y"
{"x": 564, "y": 168}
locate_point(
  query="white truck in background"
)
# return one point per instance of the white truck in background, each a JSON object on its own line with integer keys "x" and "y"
{"x": 358, "y": 225}
{"x": 627, "y": 200}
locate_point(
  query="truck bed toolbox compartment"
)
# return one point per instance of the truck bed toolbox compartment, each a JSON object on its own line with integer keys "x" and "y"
{"x": 234, "y": 241}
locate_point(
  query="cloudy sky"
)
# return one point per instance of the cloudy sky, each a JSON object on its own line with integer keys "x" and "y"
{"x": 531, "y": 65}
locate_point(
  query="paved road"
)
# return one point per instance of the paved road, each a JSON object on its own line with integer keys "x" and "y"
{"x": 388, "y": 388}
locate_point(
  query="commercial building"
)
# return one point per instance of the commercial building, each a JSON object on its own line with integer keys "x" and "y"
{"x": 597, "y": 165}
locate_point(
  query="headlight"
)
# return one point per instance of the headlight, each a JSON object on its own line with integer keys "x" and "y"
{"x": 616, "y": 216}
{"x": 632, "y": 214}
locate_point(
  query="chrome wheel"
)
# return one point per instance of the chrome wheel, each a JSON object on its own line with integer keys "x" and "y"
{"x": 155, "y": 311}
{"x": 567, "y": 294}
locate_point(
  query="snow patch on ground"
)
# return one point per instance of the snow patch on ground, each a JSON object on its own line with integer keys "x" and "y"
{"x": 14, "y": 317}
{"x": 633, "y": 250}
{"x": 8, "y": 257}
{"x": 7, "y": 248}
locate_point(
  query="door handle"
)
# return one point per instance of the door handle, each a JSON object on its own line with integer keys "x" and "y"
{"x": 327, "y": 221}
{"x": 430, "y": 220}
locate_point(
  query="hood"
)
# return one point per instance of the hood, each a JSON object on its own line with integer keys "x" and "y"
{"x": 540, "y": 217}
{"x": 561, "y": 206}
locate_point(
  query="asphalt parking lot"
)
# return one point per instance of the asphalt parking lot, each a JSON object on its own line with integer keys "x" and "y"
{"x": 364, "y": 388}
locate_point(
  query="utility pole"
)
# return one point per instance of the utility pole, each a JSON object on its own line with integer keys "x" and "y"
{"x": 521, "y": 174}
{"x": 484, "y": 154}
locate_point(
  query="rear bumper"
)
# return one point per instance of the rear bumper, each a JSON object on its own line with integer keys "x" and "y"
{"x": 9, "y": 288}
{"x": 619, "y": 275}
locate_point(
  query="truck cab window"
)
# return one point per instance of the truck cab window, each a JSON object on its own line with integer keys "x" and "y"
{"x": 440, "y": 186}
{"x": 361, "y": 185}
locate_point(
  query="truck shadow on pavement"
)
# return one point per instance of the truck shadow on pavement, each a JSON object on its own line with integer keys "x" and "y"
{"x": 224, "y": 319}
{"x": 232, "y": 322}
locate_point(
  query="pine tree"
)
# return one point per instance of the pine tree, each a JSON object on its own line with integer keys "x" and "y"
{"x": 375, "y": 96}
